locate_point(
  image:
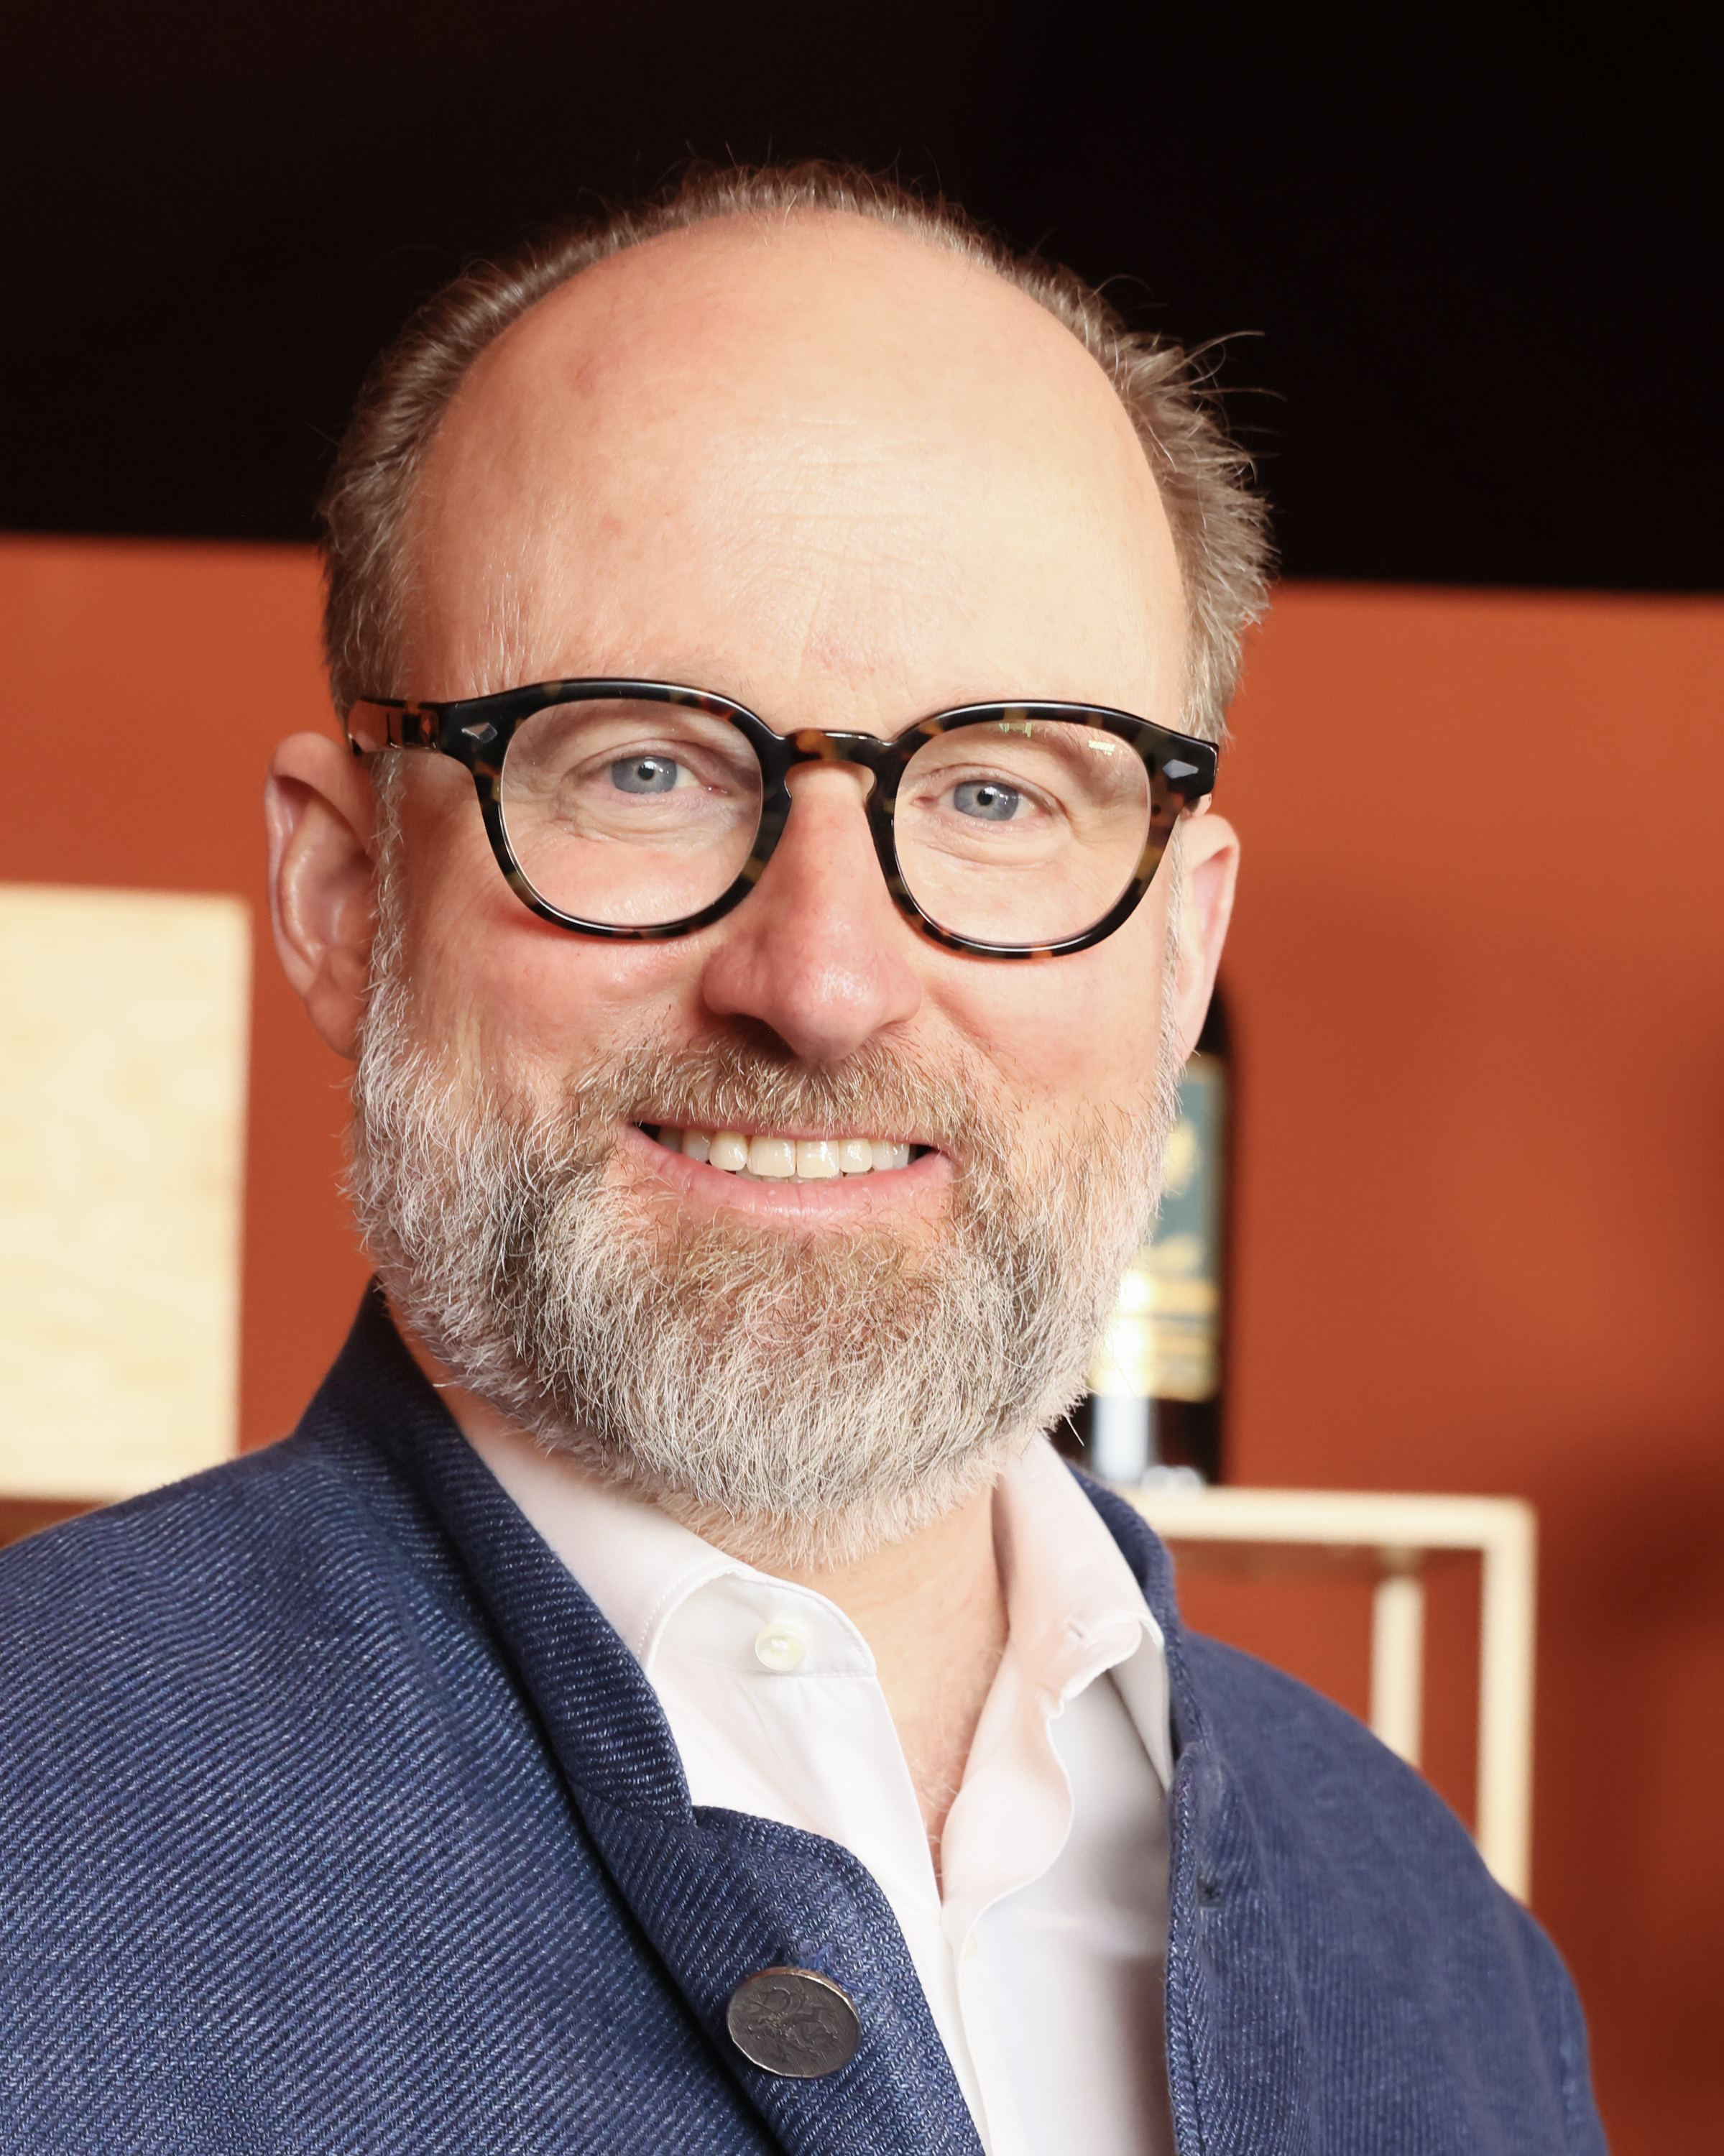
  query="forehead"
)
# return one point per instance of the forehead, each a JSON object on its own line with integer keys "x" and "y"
{"x": 818, "y": 458}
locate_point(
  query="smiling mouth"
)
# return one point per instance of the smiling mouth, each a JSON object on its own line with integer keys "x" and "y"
{"x": 763, "y": 1157}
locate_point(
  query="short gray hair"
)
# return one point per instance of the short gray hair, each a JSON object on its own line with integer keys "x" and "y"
{"x": 1220, "y": 528}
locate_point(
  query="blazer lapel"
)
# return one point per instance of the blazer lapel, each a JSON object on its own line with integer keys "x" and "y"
{"x": 1239, "y": 2069}
{"x": 720, "y": 1895}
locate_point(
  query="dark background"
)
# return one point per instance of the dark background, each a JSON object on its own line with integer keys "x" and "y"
{"x": 1463, "y": 274}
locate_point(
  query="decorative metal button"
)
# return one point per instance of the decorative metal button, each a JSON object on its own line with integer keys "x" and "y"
{"x": 794, "y": 2021}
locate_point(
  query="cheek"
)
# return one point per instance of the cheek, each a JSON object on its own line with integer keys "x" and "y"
{"x": 498, "y": 985}
{"x": 1085, "y": 1027}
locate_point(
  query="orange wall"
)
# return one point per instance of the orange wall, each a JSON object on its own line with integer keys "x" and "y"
{"x": 143, "y": 688}
{"x": 1477, "y": 980}
{"x": 1478, "y": 975}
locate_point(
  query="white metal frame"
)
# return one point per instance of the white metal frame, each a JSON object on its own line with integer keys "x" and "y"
{"x": 1400, "y": 1530}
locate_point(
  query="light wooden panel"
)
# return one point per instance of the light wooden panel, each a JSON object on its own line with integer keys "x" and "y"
{"x": 123, "y": 1039}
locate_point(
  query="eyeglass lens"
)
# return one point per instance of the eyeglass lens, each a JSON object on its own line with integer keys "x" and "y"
{"x": 632, "y": 814}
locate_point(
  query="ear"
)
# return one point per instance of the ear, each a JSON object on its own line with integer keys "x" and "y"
{"x": 1209, "y": 871}
{"x": 321, "y": 813}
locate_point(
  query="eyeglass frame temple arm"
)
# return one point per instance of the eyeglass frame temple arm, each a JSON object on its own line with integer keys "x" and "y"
{"x": 405, "y": 726}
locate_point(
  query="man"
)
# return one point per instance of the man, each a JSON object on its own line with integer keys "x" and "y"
{"x": 668, "y": 1694}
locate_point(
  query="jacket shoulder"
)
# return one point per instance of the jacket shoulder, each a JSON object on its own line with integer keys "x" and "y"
{"x": 1330, "y": 1909}
{"x": 1312, "y": 1773}
{"x": 1382, "y": 1903}
{"x": 218, "y": 1549}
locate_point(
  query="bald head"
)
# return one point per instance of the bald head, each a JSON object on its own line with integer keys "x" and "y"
{"x": 824, "y": 464}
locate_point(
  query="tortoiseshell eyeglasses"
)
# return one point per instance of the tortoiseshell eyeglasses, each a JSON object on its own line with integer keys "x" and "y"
{"x": 644, "y": 810}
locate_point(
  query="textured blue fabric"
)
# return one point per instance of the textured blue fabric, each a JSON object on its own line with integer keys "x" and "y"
{"x": 333, "y": 1817}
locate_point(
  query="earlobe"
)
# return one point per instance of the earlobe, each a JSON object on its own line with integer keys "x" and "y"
{"x": 321, "y": 814}
{"x": 1209, "y": 865}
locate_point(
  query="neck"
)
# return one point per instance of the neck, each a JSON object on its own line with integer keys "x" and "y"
{"x": 932, "y": 1608}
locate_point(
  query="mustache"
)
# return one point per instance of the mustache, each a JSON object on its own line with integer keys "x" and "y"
{"x": 727, "y": 1085}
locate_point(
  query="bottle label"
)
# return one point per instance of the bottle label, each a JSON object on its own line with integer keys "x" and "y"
{"x": 1163, "y": 1338}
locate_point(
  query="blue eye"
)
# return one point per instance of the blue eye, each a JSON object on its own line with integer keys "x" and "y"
{"x": 987, "y": 799}
{"x": 644, "y": 774}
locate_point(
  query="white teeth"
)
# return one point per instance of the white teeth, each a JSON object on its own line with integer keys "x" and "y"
{"x": 783, "y": 1160}
{"x": 772, "y": 1159}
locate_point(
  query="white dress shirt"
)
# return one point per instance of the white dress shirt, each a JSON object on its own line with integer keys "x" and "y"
{"x": 1042, "y": 1961}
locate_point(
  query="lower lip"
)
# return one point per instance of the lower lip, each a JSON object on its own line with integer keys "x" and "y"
{"x": 843, "y": 1196}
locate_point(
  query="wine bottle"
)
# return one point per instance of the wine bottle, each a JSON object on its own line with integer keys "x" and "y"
{"x": 1154, "y": 1404}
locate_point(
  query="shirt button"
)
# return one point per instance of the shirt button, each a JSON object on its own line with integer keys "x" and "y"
{"x": 779, "y": 1646}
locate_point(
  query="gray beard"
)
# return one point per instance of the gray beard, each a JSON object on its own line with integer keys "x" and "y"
{"x": 800, "y": 1396}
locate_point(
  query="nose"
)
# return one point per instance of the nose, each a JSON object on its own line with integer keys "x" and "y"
{"x": 817, "y": 950}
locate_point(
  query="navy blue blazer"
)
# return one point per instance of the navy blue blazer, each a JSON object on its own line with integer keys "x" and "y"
{"x": 334, "y": 1817}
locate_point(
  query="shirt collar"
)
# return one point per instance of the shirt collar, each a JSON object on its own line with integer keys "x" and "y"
{"x": 1075, "y": 1609}
{"x": 638, "y": 1563}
